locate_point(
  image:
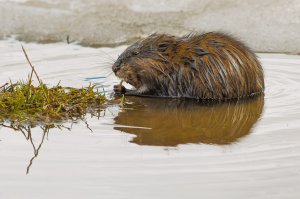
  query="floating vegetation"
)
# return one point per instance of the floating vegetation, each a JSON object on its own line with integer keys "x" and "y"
{"x": 24, "y": 103}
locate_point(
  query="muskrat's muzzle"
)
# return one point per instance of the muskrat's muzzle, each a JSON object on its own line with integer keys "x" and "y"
{"x": 115, "y": 68}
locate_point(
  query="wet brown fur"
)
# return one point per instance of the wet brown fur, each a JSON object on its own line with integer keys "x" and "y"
{"x": 204, "y": 66}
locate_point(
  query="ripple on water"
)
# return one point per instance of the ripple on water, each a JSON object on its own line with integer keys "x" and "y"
{"x": 234, "y": 150}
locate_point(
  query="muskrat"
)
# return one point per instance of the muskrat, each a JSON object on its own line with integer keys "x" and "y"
{"x": 203, "y": 66}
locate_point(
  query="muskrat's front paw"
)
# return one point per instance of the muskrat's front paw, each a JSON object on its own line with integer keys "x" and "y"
{"x": 119, "y": 89}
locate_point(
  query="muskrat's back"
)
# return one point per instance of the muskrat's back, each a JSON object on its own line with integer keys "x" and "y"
{"x": 203, "y": 66}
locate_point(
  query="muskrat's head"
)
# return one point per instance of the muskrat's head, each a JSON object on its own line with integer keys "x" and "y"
{"x": 137, "y": 65}
{"x": 126, "y": 67}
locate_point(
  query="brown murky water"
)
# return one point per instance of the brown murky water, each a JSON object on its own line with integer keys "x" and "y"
{"x": 152, "y": 148}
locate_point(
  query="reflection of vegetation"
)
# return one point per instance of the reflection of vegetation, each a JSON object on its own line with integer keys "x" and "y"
{"x": 26, "y": 130}
{"x": 24, "y": 106}
{"x": 167, "y": 122}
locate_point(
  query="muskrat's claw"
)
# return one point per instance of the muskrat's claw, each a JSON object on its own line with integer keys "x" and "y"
{"x": 119, "y": 89}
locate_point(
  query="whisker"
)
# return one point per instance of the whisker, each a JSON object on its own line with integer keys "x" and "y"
{"x": 109, "y": 74}
{"x": 104, "y": 64}
{"x": 108, "y": 56}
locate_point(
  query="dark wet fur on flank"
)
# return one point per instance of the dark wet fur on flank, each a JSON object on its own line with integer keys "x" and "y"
{"x": 203, "y": 66}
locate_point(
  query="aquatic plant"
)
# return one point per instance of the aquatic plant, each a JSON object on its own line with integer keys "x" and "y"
{"x": 24, "y": 103}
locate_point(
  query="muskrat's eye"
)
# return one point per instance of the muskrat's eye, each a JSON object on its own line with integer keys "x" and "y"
{"x": 135, "y": 52}
{"x": 162, "y": 47}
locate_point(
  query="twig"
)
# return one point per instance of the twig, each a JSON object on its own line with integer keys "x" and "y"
{"x": 3, "y": 86}
{"x": 41, "y": 83}
{"x": 31, "y": 65}
{"x": 29, "y": 85}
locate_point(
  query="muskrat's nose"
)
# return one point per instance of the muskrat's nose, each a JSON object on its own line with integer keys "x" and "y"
{"x": 115, "y": 68}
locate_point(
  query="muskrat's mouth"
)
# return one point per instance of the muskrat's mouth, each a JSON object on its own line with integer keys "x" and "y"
{"x": 124, "y": 78}
{"x": 128, "y": 82}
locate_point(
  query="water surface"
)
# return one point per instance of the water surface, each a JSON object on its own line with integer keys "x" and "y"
{"x": 152, "y": 148}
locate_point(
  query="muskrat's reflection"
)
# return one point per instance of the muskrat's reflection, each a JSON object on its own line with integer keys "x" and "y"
{"x": 172, "y": 122}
